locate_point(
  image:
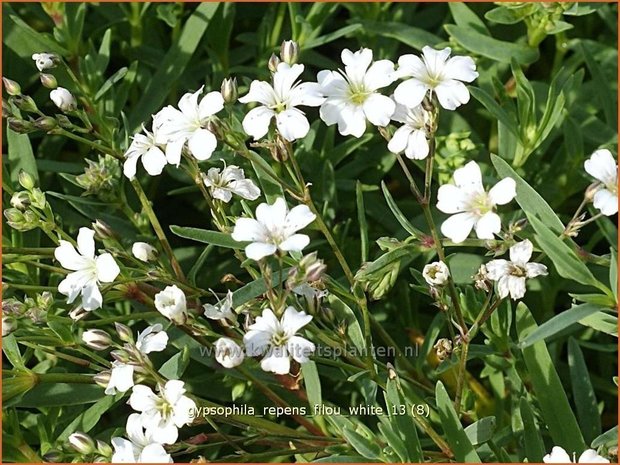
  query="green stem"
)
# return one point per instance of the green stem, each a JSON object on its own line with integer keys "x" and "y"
{"x": 71, "y": 378}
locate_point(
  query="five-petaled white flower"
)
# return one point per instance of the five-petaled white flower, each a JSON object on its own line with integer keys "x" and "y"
{"x": 145, "y": 147}
{"x": 188, "y": 125}
{"x": 274, "y": 229}
{"x": 172, "y": 304}
{"x": 143, "y": 251}
{"x": 277, "y": 338}
{"x": 602, "y": 166}
{"x": 511, "y": 275}
{"x": 163, "y": 414}
{"x": 437, "y": 73}
{"x": 44, "y": 60}
{"x": 559, "y": 455}
{"x": 231, "y": 180}
{"x": 352, "y": 96}
{"x": 411, "y": 136}
{"x": 471, "y": 205}
{"x": 140, "y": 448}
{"x": 222, "y": 311}
{"x": 436, "y": 273}
{"x": 228, "y": 353}
{"x": 280, "y": 101}
{"x": 88, "y": 270}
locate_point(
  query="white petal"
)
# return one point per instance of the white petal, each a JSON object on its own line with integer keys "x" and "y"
{"x": 266, "y": 322}
{"x": 451, "y": 94}
{"x": 410, "y": 93}
{"x": 155, "y": 453}
{"x": 86, "y": 242}
{"x": 154, "y": 343}
{"x": 276, "y": 361}
{"x": 503, "y": 286}
{"x": 399, "y": 140}
{"x": 297, "y": 218}
{"x": 202, "y": 144}
{"x": 173, "y": 151}
{"x": 417, "y": 146}
{"x": 300, "y": 349}
{"x": 295, "y": 243}
{"x": 488, "y": 225}
{"x": 284, "y": 78}
{"x": 258, "y": 250}
{"x": 451, "y": 199}
{"x": 142, "y": 398}
{"x": 461, "y": 68}
{"x": 469, "y": 177}
{"x": 123, "y": 451}
{"x": 521, "y": 252}
{"x": 256, "y": 342}
{"x": 188, "y": 104}
{"x": 292, "y": 124}
{"x": 91, "y": 297}
{"x": 293, "y": 321}
{"x": 503, "y": 192}
{"x": 356, "y": 64}
{"x": 379, "y": 75}
{"x": 308, "y": 94}
{"x": 458, "y": 226}
{"x": 535, "y": 269}
{"x": 68, "y": 257}
{"x": 154, "y": 161}
{"x": 602, "y": 166}
{"x": 516, "y": 286}
{"x": 72, "y": 285}
{"x": 379, "y": 109}
{"x": 272, "y": 216}
{"x": 173, "y": 390}
{"x": 210, "y": 104}
{"x": 121, "y": 378}
{"x": 165, "y": 432}
{"x": 245, "y": 188}
{"x": 332, "y": 84}
{"x": 590, "y": 456}
{"x": 248, "y": 229}
{"x": 411, "y": 65}
{"x": 260, "y": 91}
{"x": 130, "y": 168}
{"x": 107, "y": 269}
{"x": 256, "y": 122}
{"x": 184, "y": 411}
{"x": 606, "y": 202}
{"x": 352, "y": 121}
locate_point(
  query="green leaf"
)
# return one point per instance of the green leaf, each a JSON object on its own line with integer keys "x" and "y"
{"x": 408, "y": 35}
{"x": 481, "y": 431}
{"x": 256, "y": 288}
{"x": 20, "y": 157}
{"x": 604, "y": 94}
{"x": 492, "y": 48}
{"x": 502, "y": 15}
{"x": 495, "y": 109}
{"x": 532, "y": 441}
{"x": 398, "y": 214}
{"x": 603, "y": 322}
{"x": 88, "y": 419}
{"x": 176, "y": 365}
{"x": 266, "y": 177}
{"x": 404, "y": 424}
{"x": 455, "y": 435}
{"x": 609, "y": 438}
{"x": 566, "y": 262}
{"x": 109, "y": 83}
{"x": 344, "y": 313}
{"x": 530, "y": 201}
{"x": 613, "y": 273}
{"x": 464, "y": 17}
{"x": 217, "y": 238}
{"x": 559, "y": 323}
{"x": 61, "y": 395}
{"x": 583, "y": 393}
{"x": 173, "y": 65}
{"x": 364, "y": 446}
{"x": 312, "y": 382}
{"x": 554, "y": 405}
{"x": 11, "y": 351}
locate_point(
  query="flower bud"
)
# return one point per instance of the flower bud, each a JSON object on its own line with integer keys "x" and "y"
{"x": 289, "y": 52}
{"x": 104, "y": 448}
{"x": 214, "y": 126}
{"x": 124, "y": 332}
{"x": 45, "y": 300}
{"x": 443, "y": 349}
{"x": 9, "y": 324}
{"x": 273, "y": 63}
{"x": 102, "y": 379}
{"x": 82, "y": 443}
{"x": 436, "y": 273}
{"x": 11, "y": 87}
{"x": 172, "y": 304}
{"x": 120, "y": 356}
{"x": 591, "y": 190}
{"x": 64, "y": 122}
{"x": 24, "y": 103}
{"x": 229, "y": 90}
{"x": 20, "y": 200}
{"x": 78, "y": 313}
{"x": 45, "y": 60}
{"x": 48, "y": 81}
{"x": 26, "y": 180}
{"x": 20, "y": 126}
{"x": 481, "y": 279}
{"x": 97, "y": 339}
{"x": 45, "y": 123}
{"x": 21, "y": 221}
{"x": 143, "y": 251}
{"x": 6, "y": 109}
{"x": 103, "y": 230}
{"x": 37, "y": 197}
{"x": 52, "y": 456}
{"x": 63, "y": 99}
{"x": 228, "y": 353}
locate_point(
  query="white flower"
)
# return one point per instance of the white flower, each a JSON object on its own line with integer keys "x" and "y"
{"x": 163, "y": 414}
{"x": 88, "y": 270}
{"x": 602, "y": 166}
{"x": 472, "y": 205}
{"x": 280, "y": 101}
{"x": 222, "y": 311}
{"x": 144, "y": 147}
{"x": 171, "y": 303}
{"x": 121, "y": 378}
{"x": 411, "y": 136}
{"x": 223, "y": 184}
{"x": 228, "y": 353}
{"x": 310, "y": 292}
{"x": 188, "y": 124}
{"x": 274, "y": 229}
{"x": 436, "y": 273}
{"x": 44, "y": 60}
{"x": 559, "y": 455}
{"x": 511, "y": 275}
{"x": 140, "y": 447}
{"x": 352, "y": 96}
{"x": 143, "y": 251}
{"x": 152, "y": 339}
{"x": 437, "y": 73}
{"x": 278, "y": 340}
{"x": 63, "y": 99}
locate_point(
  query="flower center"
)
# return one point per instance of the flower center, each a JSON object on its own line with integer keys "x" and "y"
{"x": 516, "y": 270}
{"x": 278, "y": 107}
{"x": 358, "y": 96}
{"x": 481, "y": 204}
{"x": 279, "y": 339}
{"x": 165, "y": 408}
